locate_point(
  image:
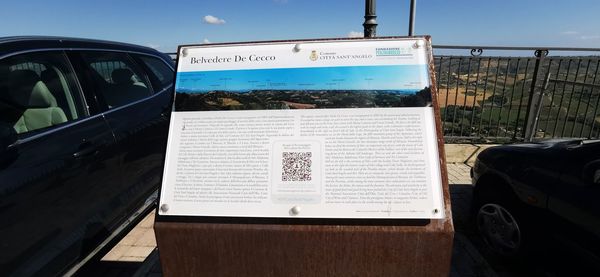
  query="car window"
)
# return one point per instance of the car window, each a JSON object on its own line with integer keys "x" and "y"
{"x": 116, "y": 78}
{"x": 38, "y": 91}
{"x": 160, "y": 70}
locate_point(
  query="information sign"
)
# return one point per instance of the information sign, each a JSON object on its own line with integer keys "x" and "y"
{"x": 306, "y": 129}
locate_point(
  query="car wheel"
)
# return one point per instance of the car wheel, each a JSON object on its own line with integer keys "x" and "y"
{"x": 500, "y": 229}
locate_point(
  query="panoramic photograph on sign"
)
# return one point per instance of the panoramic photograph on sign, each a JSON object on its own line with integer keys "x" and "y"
{"x": 307, "y": 129}
{"x": 303, "y": 88}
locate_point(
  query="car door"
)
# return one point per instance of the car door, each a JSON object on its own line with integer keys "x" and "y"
{"x": 575, "y": 200}
{"x": 57, "y": 162}
{"x": 136, "y": 110}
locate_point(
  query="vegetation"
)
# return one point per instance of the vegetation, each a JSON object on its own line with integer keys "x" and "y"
{"x": 299, "y": 99}
{"x": 489, "y": 97}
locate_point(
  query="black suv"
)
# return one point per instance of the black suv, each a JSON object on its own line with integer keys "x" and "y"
{"x": 529, "y": 196}
{"x": 83, "y": 130}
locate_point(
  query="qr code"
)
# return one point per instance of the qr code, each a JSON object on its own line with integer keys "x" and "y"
{"x": 296, "y": 166}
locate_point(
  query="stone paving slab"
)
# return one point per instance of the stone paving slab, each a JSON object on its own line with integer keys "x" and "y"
{"x": 464, "y": 153}
{"x": 459, "y": 174}
{"x": 136, "y": 245}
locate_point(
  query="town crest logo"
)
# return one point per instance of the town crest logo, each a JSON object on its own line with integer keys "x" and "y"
{"x": 313, "y": 55}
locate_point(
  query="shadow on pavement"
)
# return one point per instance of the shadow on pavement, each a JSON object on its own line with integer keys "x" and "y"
{"x": 98, "y": 268}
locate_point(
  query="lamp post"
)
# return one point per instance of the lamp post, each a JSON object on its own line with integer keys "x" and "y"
{"x": 370, "y": 25}
{"x": 411, "y": 22}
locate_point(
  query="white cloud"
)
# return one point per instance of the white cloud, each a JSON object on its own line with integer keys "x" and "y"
{"x": 354, "y": 34}
{"x": 152, "y": 45}
{"x": 578, "y": 35}
{"x": 205, "y": 41}
{"x": 209, "y": 19}
{"x": 569, "y": 33}
{"x": 281, "y": 1}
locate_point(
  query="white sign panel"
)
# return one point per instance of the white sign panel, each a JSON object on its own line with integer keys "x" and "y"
{"x": 320, "y": 129}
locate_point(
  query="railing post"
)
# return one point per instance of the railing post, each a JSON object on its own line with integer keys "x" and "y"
{"x": 533, "y": 106}
{"x": 540, "y": 101}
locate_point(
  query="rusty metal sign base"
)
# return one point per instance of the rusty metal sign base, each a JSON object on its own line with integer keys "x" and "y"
{"x": 205, "y": 249}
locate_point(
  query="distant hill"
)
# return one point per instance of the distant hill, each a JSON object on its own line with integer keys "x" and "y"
{"x": 299, "y": 99}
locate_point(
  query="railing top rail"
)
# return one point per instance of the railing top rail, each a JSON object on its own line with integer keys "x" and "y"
{"x": 527, "y": 48}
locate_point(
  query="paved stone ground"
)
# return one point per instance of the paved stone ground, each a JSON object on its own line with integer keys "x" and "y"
{"x": 466, "y": 259}
{"x": 459, "y": 174}
{"x": 137, "y": 245}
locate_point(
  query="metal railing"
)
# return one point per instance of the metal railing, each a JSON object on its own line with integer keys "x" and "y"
{"x": 512, "y": 96}
{"x": 500, "y": 94}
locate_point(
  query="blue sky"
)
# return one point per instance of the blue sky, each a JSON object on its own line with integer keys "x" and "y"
{"x": 395, "y": 77}
{"x": 165, "y": 24}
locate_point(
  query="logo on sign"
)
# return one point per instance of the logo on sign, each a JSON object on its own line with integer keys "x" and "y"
{"x": 392, "y": 51}
{"x": 313, "y": 55}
